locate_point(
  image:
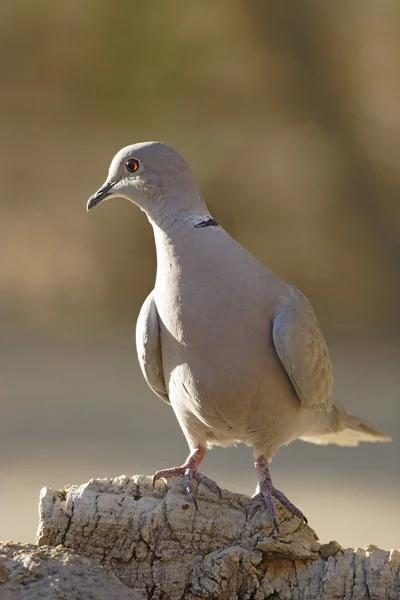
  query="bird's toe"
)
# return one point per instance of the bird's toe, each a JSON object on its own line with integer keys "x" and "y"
{"x": 287, "y": 504}
{"x": 165, "y": 473}
{"x": 252, "y": 506}
{"x": 212, "y": 485}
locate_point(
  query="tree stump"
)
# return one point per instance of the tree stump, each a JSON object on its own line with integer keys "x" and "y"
{"x": 156, "y": 543}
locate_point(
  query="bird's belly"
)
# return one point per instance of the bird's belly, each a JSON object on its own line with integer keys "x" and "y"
{"x": 213, "y": 401}
{"x": 241, "y": 403}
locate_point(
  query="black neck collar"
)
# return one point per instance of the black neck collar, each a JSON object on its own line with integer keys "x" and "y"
{"x": 207, "y": 223}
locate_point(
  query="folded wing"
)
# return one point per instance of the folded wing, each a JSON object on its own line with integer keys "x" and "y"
{"x": 148, "y": 345}
{"x": 302, "y": 349}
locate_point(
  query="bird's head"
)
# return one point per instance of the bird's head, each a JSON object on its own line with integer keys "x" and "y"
{"x": 152, "y": 175}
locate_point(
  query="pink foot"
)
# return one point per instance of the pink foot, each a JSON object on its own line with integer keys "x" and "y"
{"x": 267, "y": 491}
{"x": 189, "y": 472}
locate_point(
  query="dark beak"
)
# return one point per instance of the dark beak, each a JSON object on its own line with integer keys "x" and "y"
{"x": 101, "y": 194}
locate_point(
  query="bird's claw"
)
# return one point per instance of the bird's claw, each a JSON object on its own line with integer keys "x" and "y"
{"x": 255, "y": 505}
{"x": 287, "y": 504}
{"x": 259, "y": 499}
{"x": 164, "y": 473}
{"x": 193, "y": 499}
{"x": 275, "y": 522}
{"x": 208, "y": 483}
{"x": 188, "y": 475}
{"x": 252, "y": 506}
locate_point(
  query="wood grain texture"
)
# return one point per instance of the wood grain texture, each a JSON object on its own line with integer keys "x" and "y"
{"x": 155, "y": 542}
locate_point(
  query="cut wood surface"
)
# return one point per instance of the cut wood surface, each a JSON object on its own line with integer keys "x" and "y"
{"x": 155, "y": 542}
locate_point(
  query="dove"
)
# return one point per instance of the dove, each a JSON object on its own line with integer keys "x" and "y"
{"x": 236, "y": 351}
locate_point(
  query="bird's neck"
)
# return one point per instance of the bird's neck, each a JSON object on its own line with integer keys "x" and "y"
{"x": 171, "y": 223}
{"x": 174, "y": 223}
{"x": 173, "y": 235}
{"x": 171, "y": 232}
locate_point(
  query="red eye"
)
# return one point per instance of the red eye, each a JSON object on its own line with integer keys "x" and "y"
{"x": 132, "y": 165}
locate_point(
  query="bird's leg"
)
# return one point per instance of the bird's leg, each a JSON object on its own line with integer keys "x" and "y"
{"x": 189, "y": 472}
{"x": 265, "y": 492}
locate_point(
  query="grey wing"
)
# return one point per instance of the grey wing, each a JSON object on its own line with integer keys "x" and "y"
{"x": 148, "y": 345}
{"x": 302, "y": 349}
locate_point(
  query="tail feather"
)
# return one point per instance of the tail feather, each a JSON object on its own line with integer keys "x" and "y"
{"x": 344, "y": 429}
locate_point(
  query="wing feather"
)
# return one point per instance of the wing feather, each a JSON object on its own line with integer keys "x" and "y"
{"x": 302, "y": 349}
{"x": 148, "y": 345}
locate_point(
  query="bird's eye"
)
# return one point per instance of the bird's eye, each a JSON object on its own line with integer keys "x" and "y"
{"x": 132, "y": 165}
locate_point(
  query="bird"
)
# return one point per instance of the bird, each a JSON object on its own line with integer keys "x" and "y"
{"x": 236, "y": 351}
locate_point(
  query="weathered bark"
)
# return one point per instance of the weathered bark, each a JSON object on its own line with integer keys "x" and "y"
{"x": 31, "y": 573}
{"x": 155, "y": 542}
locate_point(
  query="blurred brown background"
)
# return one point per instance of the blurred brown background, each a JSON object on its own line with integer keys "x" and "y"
{"x": 289, "y": 115}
